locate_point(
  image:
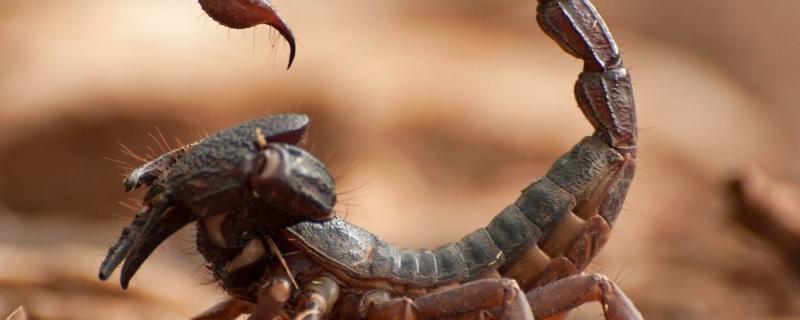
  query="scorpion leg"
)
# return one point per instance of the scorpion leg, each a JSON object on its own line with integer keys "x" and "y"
{"x": 557, "y": 298}
{"x": 272, "y": 297}
{"x": 317, "y": 298}
{"x": 498, "y": 298}
{"x": 228, "y": 309}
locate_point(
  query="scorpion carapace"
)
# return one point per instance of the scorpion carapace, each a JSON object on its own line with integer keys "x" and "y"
{"x": 253, "y": 171}
{"x": 527, "y": 262}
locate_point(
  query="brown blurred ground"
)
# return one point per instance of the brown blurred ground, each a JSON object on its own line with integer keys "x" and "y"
{"x": 435, "y": 113}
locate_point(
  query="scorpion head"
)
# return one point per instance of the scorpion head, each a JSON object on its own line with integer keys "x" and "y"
{"x": 241, "y": 184}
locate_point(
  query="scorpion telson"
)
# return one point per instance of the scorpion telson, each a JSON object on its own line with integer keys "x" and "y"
{"x": 241, "y": 14}
{"x": 259, "y": 239}
{"x": 252, "y": 173}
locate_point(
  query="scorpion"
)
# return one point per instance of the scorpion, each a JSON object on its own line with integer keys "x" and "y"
{"x": 263, "y": 208}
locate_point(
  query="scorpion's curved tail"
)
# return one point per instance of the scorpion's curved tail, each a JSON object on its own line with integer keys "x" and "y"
{"x": 560, "y": 222}
{"x": 577, "y": 202}
{"x": 604, "y": 94}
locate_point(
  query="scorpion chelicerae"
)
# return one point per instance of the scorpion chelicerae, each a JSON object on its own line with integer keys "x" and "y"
{"x": 263, "y": 208}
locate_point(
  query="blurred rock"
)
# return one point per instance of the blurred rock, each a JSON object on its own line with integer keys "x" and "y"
{"x": 59, "y": 282}
{"x": 770, "y": 210}
{"x": 68, "y": 165}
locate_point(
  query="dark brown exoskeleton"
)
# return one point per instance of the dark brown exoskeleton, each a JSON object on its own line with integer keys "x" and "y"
{"x": 526, "y": 263}
{"x": 249, "y": 180}
{"x": 241, "y": 14}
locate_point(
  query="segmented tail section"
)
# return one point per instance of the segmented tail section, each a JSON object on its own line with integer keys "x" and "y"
{"x": 603, "y": 89}
{"x": 559, "y": 223}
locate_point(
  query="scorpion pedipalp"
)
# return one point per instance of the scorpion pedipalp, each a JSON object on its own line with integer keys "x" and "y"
{"x": 117, "y": 253}
{"x": 289, "y": 128}
{"x": 150, "y": 172}
{"x": 225, "y": 174}
{"x": 163, "y": 222}
{"x": 152, "y": 226}
{"x": 290, "y": 175}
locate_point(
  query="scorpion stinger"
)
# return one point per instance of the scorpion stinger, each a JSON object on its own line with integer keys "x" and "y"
{"x": 242, "y": 14}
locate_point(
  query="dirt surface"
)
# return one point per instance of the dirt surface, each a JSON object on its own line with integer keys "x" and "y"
{"x": 434, "y": 115}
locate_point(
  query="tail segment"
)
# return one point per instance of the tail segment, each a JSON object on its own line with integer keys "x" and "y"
{"x": 603, "y": 89}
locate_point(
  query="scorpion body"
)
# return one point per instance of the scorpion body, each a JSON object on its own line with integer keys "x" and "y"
{"x": 527, "y": 262}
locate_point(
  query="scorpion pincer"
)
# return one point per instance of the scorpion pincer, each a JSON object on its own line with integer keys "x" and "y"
{"x": 526, "y": 263}
{"x": 253, "y": 174}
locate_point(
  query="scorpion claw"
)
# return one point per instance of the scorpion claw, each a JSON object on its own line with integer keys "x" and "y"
{"x": 118, "y": 252}
{"x": 164, "y": 221}
{"x": 242, "y": 14}
{"x": 150, "y": 229}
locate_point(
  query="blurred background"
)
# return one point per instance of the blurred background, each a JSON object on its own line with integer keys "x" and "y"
{"x": 432, "y": 114}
